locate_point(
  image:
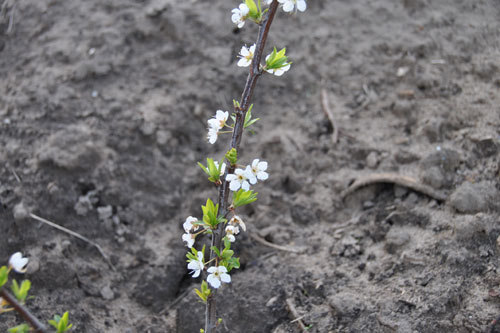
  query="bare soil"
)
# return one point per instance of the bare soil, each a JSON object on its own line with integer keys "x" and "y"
{"x": 103, "y": 109}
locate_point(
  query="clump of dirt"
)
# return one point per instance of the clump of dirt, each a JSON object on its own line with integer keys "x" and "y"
{"x": 103, "y": 109}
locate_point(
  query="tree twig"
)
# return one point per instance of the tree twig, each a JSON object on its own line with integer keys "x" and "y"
{"x": 264, "y": 242}
{"x": 74, "y": 234}
{"x": 404, "y": 181}
{"x": 253, "y": 75}
{"x": 25, "y": 313}
{"x": 325, "y": 103}
{"x": 296, "y": 317}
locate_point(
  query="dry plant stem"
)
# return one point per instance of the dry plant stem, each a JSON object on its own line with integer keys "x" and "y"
{"x": 400, "y": 180}
{"x": 325, "y": 102}
{"x": 74, "y": 234}
{"x": 295, "y": 314}
{"x": 255, "y": 72}
{"x": 32, "y": 320}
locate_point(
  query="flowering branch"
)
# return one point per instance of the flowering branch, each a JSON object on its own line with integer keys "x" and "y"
{"x": 253, "y": 75}
{"x": 233, "y": 177}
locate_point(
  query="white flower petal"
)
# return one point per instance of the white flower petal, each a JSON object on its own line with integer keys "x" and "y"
{"x": 262, "y": 165}
{"x": 301, "y": 5}
{"x": 262, "y": 175}
{"x": 212, "y": 269}
{"x": 245, "y": 185}
{"x": 234, "y": 185}
{"x": 225, "y": 278}
{"x": 18, "y": 263}
{"x": 288, "y": 6}
{"x": 214, "y": 281}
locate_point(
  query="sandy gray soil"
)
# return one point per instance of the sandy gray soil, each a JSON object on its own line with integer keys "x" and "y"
{"x": 103, "y": 108}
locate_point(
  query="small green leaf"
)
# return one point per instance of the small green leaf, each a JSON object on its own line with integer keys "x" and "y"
{"x": 210, "y": 213}
{"x": 23, "y": 328}
{"x": 277, "y": 59}
{"x": 253, "y": 10}
{"x": 21, "y": 292}
{"x": 4, "y": 275}
{"x": 242, "y": 197}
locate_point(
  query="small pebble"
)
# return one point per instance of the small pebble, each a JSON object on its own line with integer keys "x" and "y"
{"x": 95, "y": 93}
{"x": 107, "y": 293}
{"x": 91, "y": 51}
{"x": 20, "y": 212}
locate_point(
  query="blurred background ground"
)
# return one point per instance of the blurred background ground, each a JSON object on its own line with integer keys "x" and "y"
{"x": 103, "y": 109}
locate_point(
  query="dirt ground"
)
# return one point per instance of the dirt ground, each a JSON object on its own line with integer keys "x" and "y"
{"x": 103, "y": 109}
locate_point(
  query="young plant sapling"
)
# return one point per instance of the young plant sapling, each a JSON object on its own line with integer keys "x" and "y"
{"x": 233, "y": 180}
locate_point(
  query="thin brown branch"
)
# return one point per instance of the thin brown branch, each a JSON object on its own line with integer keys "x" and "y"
{"x": 296, "y": 317}
{"x": 255, "y": 72}
{"x": 400, "y": 180}
{"x": 264, "y": 242}
{"x": 25, "y": 313}
{"x": 325, "y": 103}
{"x": 74, "y": 234}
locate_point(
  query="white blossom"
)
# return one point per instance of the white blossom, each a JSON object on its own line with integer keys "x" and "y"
{"x": 189, "y": 226}
{"x": 239, "y": 179}
{"x": 231, "y": 231}
{"x": 18, "y": 263}
{"x": 289, "y": 5}
{"x": 246, "y": 56}
{"x": 189, "y": 239}
{"x": 259, "y": 170}
{"x": 215, "y": 124}
{"x": 267, "y": 2}
{"x": 216, "y": 275}
{"x": 237, "y": 222}
{"x": 239, "y": 15}
{"x": 219, "y": 120}
{"x": 197, "y": 265}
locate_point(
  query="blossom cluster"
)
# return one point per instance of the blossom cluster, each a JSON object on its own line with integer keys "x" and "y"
{"x": 215, "y": 124}
{"x": 239, "y": 178}
{"x": 244, "y": 177}
{"x": 243, "y": 12}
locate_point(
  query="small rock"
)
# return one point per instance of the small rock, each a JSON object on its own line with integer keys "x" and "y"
{"x": 33, "y": 266}
{"x": 433, "y": 176}
{"x": 372, "y": 160}
{"x": 405, "y": 157}
{"x": 20, "y": 212}
{"x": 447, "y": 159}
{"x": 485, "y": 146}
{"x": 271, "y": 301}
{"x": 303, "y": 215}
{"x": 148, "y": 128}
{"x": 105, "y": 212}
{"x": 403, "y": 108}
{"x": 400, "y": 191}
{"x": 107, "y": 293}
{"x": 471, "y": 198}
{"x": 396, "y": 239}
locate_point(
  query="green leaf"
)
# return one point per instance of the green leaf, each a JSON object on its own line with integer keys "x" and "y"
{"x": 204, "y": 292}
{"x": 212, "y": 170}
{"x": 216, "y": 250}
{"x": 21, "y": 292}
{"x": 232, "y": 156}
{"x": 210, "y": 213}
{"x": 253, "y": 10}
{"x": 4, "y": 275}
{"x": 23, "y": 328}
{"x": 277, "y": 59}
{"x": 243, "y": 197}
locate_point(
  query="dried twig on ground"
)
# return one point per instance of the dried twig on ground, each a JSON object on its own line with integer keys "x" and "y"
{"x": 325, "y": 103}
{"x": 74, "y": 234}
{"x": 296, "y": 317}
{"x": 274, "y": 246}
{"x": 404, "y": 181}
